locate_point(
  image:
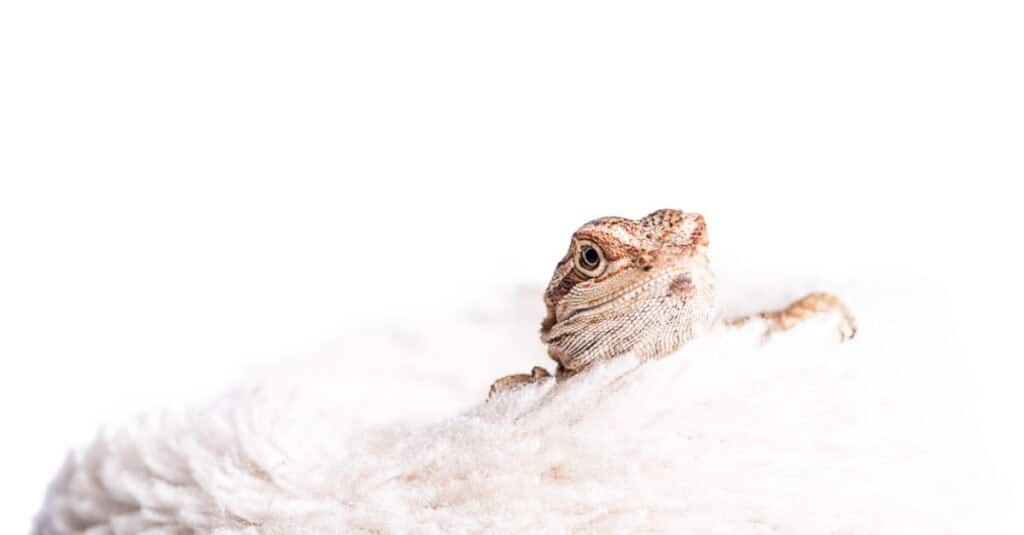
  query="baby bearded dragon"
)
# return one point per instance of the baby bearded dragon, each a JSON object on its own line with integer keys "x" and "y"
{"x": 643, "y": 287}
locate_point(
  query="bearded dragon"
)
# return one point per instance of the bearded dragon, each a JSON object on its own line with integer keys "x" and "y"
{"x": 643, "y": 287}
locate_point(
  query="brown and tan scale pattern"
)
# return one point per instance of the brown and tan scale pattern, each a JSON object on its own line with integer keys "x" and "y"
{"x": 643, "y": 287}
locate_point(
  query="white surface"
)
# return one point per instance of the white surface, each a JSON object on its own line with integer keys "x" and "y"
{"x": 387, "y": 433}
{"x": 189, "y": 190}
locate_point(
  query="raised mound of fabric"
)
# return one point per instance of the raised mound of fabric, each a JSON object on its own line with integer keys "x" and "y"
{"x": 388, "y": 432}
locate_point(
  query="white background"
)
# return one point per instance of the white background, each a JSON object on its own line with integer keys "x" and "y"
{"x": 191, "y": 188}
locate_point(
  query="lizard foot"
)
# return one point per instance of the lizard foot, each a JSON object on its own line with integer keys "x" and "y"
{"x": 810, "y": 305}
{"x": 511, "y": 382}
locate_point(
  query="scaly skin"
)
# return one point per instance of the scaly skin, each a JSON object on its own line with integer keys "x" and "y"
{"x": 643, "y": 287}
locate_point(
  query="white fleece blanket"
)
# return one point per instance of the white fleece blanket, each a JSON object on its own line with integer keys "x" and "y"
{"x": 386, "y": 433}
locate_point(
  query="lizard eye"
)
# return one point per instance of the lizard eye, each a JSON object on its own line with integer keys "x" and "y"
{"x": 590, "y": 259}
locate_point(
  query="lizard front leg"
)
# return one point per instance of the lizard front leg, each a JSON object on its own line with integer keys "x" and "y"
{"x": 799, "y": 311}
{"x": 511, "y": 382}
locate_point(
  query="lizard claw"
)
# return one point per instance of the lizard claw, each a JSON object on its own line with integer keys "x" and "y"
{"x": 847, "y": 328}
{"x": 512, "y": 382}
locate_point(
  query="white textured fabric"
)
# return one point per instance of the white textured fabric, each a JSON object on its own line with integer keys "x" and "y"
{"x": 387, "y": 433}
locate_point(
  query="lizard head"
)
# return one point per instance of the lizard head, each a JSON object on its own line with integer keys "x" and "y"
{"x": 642, "y": 286}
